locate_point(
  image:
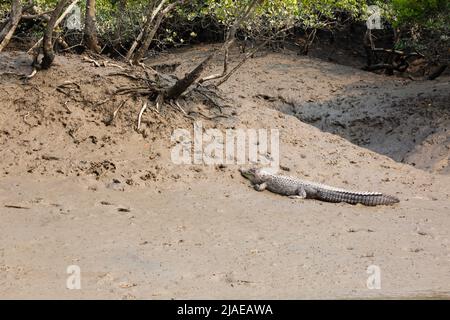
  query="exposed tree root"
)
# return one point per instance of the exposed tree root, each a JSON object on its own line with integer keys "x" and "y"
{"x": 394, "y": 60}
{"x": 154, "y": 88}
{"x": 110, "y": 120}
{"x": 440, "y": 70}
{"x": 144, "y": 107}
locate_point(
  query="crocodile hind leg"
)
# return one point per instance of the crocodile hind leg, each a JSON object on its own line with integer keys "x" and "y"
{"x": 300, "y": 194}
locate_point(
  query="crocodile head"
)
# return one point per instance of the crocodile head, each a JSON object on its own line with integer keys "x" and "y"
{"x": 251, "y": 174}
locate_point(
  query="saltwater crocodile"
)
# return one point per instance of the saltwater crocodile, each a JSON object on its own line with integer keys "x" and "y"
{"x": 263, "y": 179}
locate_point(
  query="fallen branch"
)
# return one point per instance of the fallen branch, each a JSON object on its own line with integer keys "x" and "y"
{"x": 15, "y": 207}
{"x": 396, "y": 60}
{"x": 94, "y": 62}
{"x": 399, "y": 53}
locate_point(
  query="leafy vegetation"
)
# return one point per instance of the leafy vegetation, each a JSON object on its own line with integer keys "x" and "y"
{"x": 270, "y": 15}
{"x": 417, "y": 23}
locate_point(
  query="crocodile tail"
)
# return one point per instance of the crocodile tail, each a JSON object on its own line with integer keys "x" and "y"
{"x": 377, "y": 199}
{"x": 365, "y": 198}
{"x": 388, "y": 200}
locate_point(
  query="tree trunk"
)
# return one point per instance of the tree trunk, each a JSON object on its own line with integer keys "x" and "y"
{"x": 120, "y": 10}
{"x": 90, "y": 28}
{"x": 368, "y": 47}
{"x": 47, "y": 45}
{"x": 60, "y": 19}
{"x": 148, "y": 37}
{"x": 310, "y": 37}
{"x": 146, "y": 27}
{"x": 10, "y": 27}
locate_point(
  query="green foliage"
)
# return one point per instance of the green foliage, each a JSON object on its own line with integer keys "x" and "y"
{"x": 419, "y": 11}
{"x": 46, "y": 4}
{"x": 195, "y": 16}
{"x": 320, "y": 14}
{"x": 227, "y": 10}
{"x": 280, "y": 13}
{"x": 434, "y": 14}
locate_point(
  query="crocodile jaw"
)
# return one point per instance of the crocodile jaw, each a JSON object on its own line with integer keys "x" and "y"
{"x": 248, "y": 173}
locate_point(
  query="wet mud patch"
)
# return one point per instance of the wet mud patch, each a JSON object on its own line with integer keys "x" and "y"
{"x": 410, "y": 125}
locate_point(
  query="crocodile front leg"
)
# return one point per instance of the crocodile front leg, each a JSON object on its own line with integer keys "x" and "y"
{"x": 260, "y": 187}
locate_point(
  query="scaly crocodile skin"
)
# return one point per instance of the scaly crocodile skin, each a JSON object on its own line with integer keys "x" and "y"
{"x": 290, "y": 186}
